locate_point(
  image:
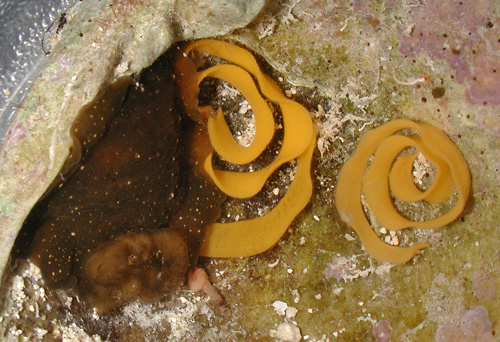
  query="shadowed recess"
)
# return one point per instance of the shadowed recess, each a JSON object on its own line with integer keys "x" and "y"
{"x": 136, "y": 207}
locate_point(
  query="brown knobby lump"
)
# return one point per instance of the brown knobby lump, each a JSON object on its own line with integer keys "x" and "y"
{"x": 135, "y": 265}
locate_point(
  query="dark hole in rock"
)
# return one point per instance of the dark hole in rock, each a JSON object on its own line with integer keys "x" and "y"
{"x": 128, "y": 219}
{"x": 438, "y": 92}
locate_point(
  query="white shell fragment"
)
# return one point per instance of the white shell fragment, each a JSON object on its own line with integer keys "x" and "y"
{"x": 288, "y": 332}
{"x": 280, "y": 307}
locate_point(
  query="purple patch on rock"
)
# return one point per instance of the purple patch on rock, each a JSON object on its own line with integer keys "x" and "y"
{"x": 463, "y": 33}
{"x": 17, "y": 132}
{"x": 382, "y": 331}
{"x": 474, "y": 326}
{"x": 359, "y": 5}
{"x": 339, "y": 268}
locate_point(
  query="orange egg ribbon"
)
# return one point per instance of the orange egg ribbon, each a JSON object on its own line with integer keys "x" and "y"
{"x": 254, "y": 236}
{"x": 391, "y": 172}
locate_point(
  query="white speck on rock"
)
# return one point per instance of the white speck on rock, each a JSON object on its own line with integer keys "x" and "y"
{"x": 74, "y": 333}
{"x": 287, "y": 332}
{"x": 122, "y": 68}
{"x": 274, "y": 263}
{"x": 280, "y": 307}
{"x": 291, "y": 312}
{"x": 348, "y": 237}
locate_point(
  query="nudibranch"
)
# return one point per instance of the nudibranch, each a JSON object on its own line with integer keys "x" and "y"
{"x": 129, "y": 220}
{"x": 390, "y": 173}
{"x": 132, "y": 217}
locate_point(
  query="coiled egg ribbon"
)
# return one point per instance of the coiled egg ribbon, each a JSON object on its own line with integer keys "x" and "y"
{"x": 254, "y": 236}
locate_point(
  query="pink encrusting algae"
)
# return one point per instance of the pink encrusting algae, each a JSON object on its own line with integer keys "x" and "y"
{"x": 466, "y": 35}
{"x": 474, "y": 326}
